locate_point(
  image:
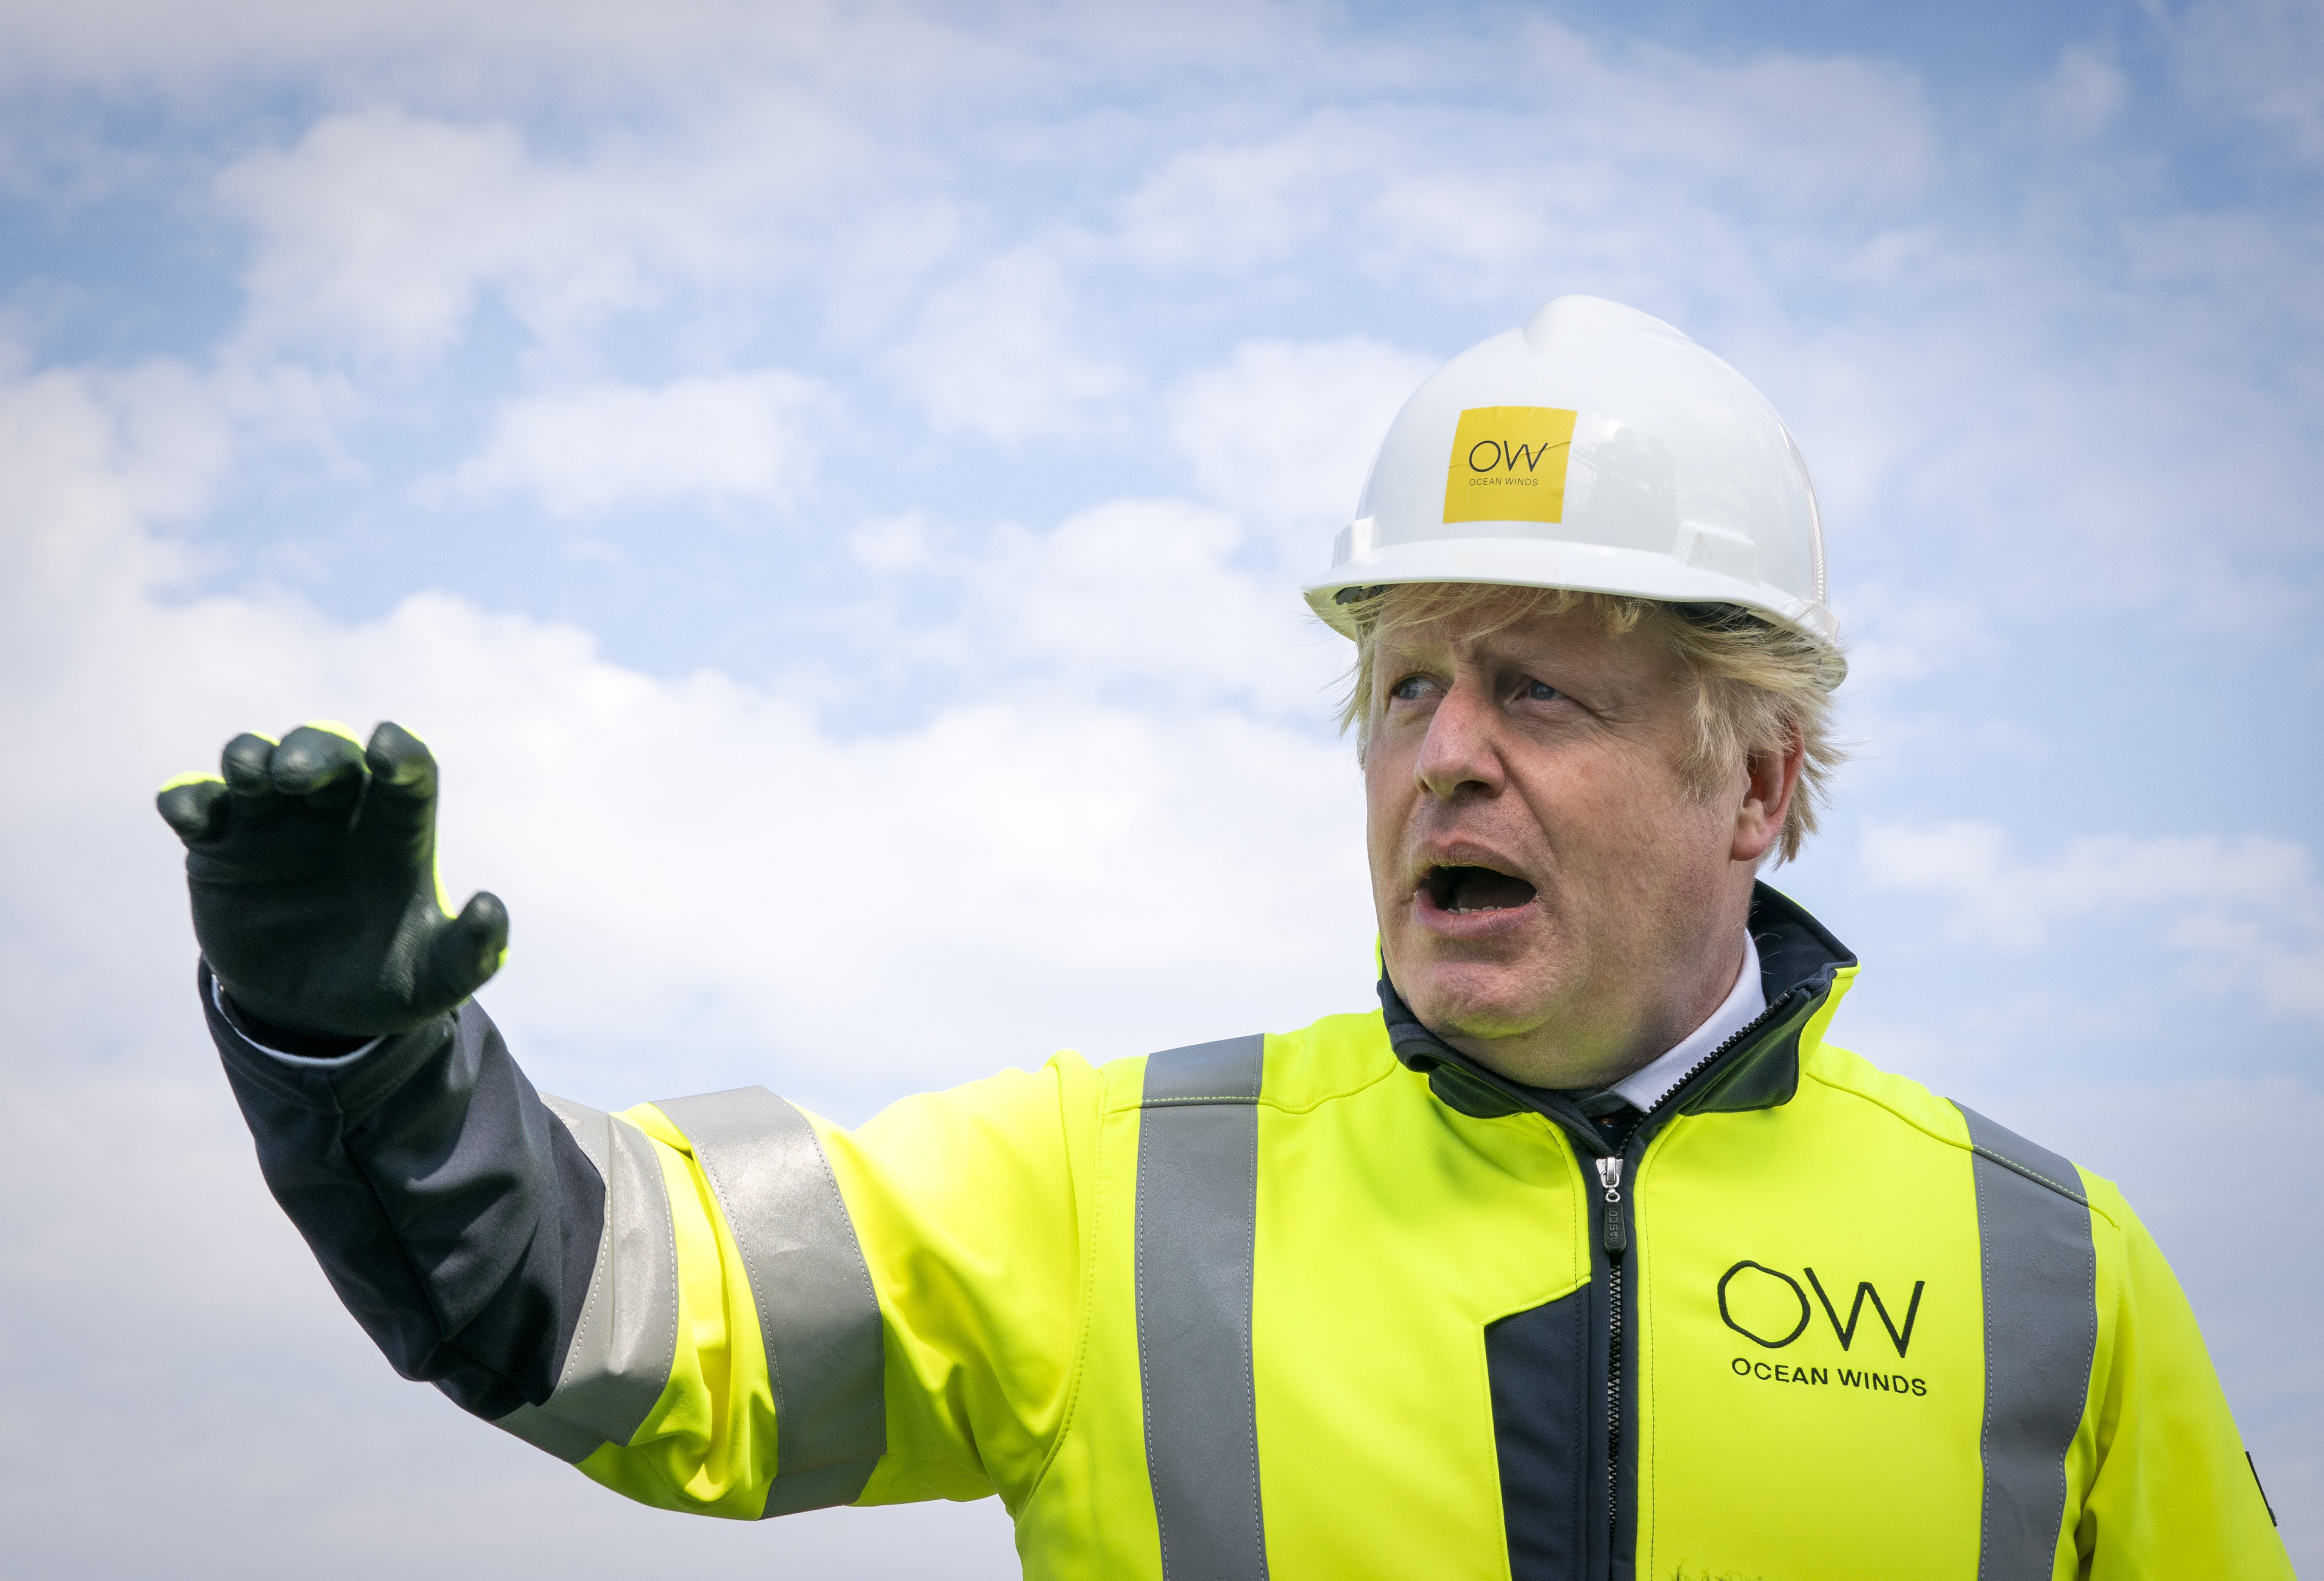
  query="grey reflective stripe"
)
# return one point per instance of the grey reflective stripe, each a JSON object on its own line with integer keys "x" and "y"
{"x": 626, "y": 1339}
{"x": 2041, "y": 1335}
{"x": 1197, "y": 1226}
{"x": 537, "y": 1427}
{"x": 817, "y": 1314}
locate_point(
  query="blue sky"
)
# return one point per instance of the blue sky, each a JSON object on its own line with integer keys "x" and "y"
{"x": 832, "y": 485}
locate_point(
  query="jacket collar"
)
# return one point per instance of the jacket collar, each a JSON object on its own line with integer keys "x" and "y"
{"x": 1756, "y": 1068}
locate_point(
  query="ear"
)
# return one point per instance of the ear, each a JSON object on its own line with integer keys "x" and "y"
{"x": 1770, "y": 778}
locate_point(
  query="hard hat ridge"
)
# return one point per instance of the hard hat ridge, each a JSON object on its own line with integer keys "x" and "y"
{"x": 1596, "y": 448}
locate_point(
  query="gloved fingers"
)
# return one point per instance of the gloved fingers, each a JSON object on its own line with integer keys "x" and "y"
{"x": 322, "y": 765}
{"x": 247, "y": 763}
{"x": 401, "y": 764}
{"x": 468, "y": 949}
{"x": 194, "y": 805}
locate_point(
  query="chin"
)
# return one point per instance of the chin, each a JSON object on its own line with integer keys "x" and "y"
{"x": 1473, "y": 1000}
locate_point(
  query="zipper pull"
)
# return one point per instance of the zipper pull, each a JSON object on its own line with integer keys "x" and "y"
{"x": 1609, "y": 1176}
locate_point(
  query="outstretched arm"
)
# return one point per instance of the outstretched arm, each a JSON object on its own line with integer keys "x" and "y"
{"x": 651, "y": 1295}
{"x": 453, "y": 1212}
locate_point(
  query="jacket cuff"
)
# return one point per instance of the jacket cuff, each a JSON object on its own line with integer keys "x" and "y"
{"x": 287, "y": 1042}
{"x": 351, "y": 1083}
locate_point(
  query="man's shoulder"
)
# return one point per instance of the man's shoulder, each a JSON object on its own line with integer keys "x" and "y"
{"x": 1886, "y": 1096}
{"x": 1334, "y": 1057}
{"x": 1912, "y": 1107}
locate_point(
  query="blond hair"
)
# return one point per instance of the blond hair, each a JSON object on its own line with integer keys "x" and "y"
{"x": 1757, "y": 686}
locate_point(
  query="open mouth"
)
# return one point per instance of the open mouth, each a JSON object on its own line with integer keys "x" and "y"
{"x": 1464, "y": 890}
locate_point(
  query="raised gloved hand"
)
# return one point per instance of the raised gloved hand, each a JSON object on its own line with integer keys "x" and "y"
{"x": 312, "y": 868}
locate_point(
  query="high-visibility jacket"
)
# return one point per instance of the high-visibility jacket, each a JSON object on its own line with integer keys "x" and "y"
{"x": 1332, "y": 1303}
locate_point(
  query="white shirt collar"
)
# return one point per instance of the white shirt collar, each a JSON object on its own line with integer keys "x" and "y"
{"x": 1645, "y": 1087}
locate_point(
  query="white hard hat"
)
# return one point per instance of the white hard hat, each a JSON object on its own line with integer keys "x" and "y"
{"x": 1596, "y": 448}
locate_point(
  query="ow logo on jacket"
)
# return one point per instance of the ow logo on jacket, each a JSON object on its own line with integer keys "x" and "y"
{"x": 1749, "y": 1297}
{"x": 1331, "y": 1303}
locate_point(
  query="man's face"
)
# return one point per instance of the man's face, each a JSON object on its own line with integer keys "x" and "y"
{"x": 1552, "y": 899}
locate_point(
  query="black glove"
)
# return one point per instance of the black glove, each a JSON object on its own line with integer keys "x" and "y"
{"x": 312, "y": 866}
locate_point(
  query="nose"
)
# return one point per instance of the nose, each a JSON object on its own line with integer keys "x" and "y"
{"x": 1460, "y": 753}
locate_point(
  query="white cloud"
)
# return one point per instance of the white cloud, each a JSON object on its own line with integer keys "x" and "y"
{"x": 1285, "y": 432}
{"x": 89, "y": 461}
{"x": 383, "y": 226}
{"x": 699, "y": 856}
{"x": 1899, "y": 635}
{"x": 588, "y": 449}
{"x": 2252, "y": 907}
{"x": 2259, "y": 60}
{"x": 1226, "y": 207}
{"x": 1144, "y": 598}
{"x": 1586, "y": 175}
{"x": 1024, "y": 869}
{"x": 584, "y": 52}
{"x": 1781, "y": 127}
{"x": 382, "y": 230}
{"x": 2083, "y": 95}
{"x": 672, "y": 843}
{"x": 892, "y": 56}
{"x": 1002, "y": 353}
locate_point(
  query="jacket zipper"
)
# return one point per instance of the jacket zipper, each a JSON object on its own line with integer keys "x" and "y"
{"x": 1614, "y": 1234}
{"x": 1616, "y": 1240}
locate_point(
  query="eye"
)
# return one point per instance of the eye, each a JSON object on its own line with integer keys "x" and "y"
{"x": 1541, "y": 691}
{"x": 1408, "y": 688}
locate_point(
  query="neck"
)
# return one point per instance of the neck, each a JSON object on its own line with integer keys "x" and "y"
{"x": 1567, "y": 1052}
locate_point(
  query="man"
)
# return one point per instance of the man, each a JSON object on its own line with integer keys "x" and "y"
{"x": 1585, "y": 1256}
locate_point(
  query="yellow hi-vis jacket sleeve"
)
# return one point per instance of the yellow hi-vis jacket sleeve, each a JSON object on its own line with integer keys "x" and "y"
{"x": 962, "y": 1303}
{"x": 2168, "y": 1490}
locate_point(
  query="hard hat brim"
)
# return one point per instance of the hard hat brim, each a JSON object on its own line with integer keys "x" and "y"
{"x": 1583, "y": 567}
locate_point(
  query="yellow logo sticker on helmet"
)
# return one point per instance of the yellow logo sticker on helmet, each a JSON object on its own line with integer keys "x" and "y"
{"x": 1508, "y": 464}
